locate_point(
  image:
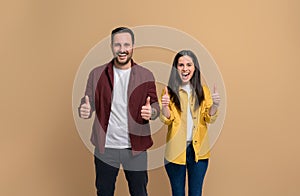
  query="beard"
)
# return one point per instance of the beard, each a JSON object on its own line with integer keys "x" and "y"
{"x": 123, "y": 62}
{"x": 129, "y": 57}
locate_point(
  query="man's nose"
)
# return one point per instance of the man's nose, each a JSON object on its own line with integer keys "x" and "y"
{"x": 122, "y": 48}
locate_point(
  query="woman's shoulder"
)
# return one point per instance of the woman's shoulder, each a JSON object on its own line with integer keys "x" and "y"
{"x": 207, "y": 94}
{"x": 205, "y": 89}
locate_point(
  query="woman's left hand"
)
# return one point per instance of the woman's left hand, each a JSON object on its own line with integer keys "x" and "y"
{"x": 216, "y": 97}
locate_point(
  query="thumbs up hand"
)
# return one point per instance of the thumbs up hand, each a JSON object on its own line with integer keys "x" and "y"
{"x": 215, "y": 97}
{"x": 146, "y": 110}
{"x": 85, "y": 109}
{"x": 165, "y": 100}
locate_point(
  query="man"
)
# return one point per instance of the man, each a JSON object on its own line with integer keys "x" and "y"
{"x": 123, "y": 96}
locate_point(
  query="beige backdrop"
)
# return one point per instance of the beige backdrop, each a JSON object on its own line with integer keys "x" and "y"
{"x": 255, "y": 43}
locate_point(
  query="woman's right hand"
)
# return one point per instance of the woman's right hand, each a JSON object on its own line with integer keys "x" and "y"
{"x": 165, "y": 100}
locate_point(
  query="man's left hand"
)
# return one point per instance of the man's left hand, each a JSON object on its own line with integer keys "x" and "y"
{"x": 146, "y": 110}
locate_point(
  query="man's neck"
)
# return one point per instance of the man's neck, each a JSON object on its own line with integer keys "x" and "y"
{"x": 126, "y": 66}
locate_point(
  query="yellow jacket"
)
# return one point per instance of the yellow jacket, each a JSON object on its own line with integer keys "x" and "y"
{"x": 176, "y": 136}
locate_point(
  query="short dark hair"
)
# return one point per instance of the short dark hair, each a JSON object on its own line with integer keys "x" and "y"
{"x": 122, "y": 30}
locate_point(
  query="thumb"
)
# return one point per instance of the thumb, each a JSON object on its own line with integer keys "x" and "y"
{"x": 87, "y": 100}
{"x": 148, "y": 101}
{"x": 166, "y": 90}
{"x": 215, "y": 88}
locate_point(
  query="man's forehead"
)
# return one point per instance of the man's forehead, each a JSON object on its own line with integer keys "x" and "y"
{"x": 122, "y": 37}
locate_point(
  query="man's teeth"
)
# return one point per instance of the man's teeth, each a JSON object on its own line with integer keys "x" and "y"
{"x": 122, "y": 54}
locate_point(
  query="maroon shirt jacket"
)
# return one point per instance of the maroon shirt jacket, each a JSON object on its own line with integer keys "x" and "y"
{"x": 99, "y": 90}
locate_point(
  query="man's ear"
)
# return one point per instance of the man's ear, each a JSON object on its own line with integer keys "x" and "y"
{"x": 111, "y": 47}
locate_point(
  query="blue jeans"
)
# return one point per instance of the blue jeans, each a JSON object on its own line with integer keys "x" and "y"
{"x": 196, "y": 173}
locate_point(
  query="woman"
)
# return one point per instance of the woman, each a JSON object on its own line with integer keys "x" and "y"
{"x": 186, "y": 107}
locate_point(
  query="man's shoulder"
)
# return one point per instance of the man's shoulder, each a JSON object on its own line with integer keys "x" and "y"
{"x": 142, "y": 69}
{"x": 98, "y": 69}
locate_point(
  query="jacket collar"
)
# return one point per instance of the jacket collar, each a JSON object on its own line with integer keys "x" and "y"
{"x": 111, "y": 63}
{"x": 110, "y": 72}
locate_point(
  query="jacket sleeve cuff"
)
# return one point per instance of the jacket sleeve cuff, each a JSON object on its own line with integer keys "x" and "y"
{"x": 166, "y": 120}
{"x": 211, "y": 118}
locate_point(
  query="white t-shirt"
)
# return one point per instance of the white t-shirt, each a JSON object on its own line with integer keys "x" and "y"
{"x": 117, "y": 135}
{"x": 190, "y": 123}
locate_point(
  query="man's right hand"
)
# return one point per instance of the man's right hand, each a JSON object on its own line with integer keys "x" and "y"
{"x": 85, "y": 109}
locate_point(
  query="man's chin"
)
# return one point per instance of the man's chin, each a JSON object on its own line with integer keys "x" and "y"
{"x": 122, "y": 62}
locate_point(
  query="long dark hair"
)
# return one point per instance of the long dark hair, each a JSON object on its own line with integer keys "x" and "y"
{"x": 175, "y": 81}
